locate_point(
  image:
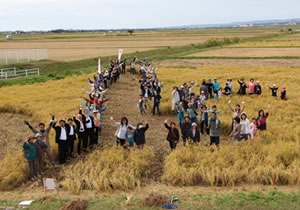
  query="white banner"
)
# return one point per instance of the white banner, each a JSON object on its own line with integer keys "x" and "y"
{"x": 99, "y": 66}
{"x": 120, "y": 54}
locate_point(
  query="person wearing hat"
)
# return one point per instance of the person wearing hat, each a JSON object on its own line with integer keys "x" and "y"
{"x": 194, "y": 134}
{"x": 30, "y": 153}
{"x": 214, "y": 125}
{"x": 204, "y": 89}
{"x": 173, "y": 134}
{"x": 44, "y": 132}
{"x": 61, "y": 138}
{"x": 97, "y": 123}
{"x": 41, "y": 147}
{"x": 274, "y": 89}
{"x": 139, "y": 135}
{"x": 227, "y": 89}
{"x": 257, "y": 88}
{"x": 230, "y": 85}
{"x": 202, "y": 98}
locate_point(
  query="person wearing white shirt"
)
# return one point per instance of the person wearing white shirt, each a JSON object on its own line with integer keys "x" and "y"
{"x": 62, "y": 140}
{"x": 71, "y": 137}
{"x": 245, "y": 127}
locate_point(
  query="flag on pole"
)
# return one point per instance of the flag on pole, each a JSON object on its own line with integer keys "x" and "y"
{"x": 99, "y": 66}
{"x": 120, "y": 54}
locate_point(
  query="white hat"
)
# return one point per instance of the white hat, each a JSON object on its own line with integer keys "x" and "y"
{"x": 194, "y": 124}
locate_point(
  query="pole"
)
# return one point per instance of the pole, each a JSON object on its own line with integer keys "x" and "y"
{"x": 99, "y": 66}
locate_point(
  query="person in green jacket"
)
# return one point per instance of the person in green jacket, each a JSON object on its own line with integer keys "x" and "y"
{"x": 30, "y": 152}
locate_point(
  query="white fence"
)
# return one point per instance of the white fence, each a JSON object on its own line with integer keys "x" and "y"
{"x": 14, "y": 73}
{"x": 12, "y": 56}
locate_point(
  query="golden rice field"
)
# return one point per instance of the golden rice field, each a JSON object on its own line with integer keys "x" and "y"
{"x": 67, "y": 47}
{"x": 270, "y": 43}
{"x": 249, "y": 52}
{"x": 109, "y": 169}
{"x": 273, "y": 158}
{"x": 58, "y": 97}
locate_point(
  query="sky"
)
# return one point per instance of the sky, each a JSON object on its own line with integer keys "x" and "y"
{"x": 115, "y": 14}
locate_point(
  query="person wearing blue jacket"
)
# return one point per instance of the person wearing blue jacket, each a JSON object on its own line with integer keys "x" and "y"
{"x": 216, "y": 87}
{"x": 30, "y": 152}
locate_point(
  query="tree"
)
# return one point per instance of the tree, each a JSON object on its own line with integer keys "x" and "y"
{"x": 130, "y": 31}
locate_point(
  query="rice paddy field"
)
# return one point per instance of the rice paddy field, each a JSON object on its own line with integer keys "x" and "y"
{"x": 67, "y": 47}
{"x": 259, "y": 174}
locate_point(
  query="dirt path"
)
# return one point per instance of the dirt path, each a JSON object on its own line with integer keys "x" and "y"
{"x": 125, "y": 96}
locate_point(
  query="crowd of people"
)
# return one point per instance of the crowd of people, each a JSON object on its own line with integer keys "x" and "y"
{"x": 84, "y": 127}
{"x": 150, "y": 89}
{"x": 196, "y": 118}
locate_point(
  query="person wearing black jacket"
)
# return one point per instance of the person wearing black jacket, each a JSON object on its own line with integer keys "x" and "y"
{"x": 61, "y": 138}
{"x": 257, "y": 88}
{"x": 156, "y": 101}
{"x": 243, "y": 87}
{"x": 139, "y": 135}
{"x": 185, "y": 128}
{"x": 209, "y": 86}
{"x": 173, "y": 134}
{"x": 194, "y": 133}
{"x": 71, "y": 135}
{"x": 80, "y": 130}
{"x": 89, "y": 129}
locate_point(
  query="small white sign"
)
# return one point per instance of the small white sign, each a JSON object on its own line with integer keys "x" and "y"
{"x": 49, "y": 184}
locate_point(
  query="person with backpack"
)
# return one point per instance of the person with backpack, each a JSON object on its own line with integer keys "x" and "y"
{"x": 139, "y": 135}
{"x": 30, "y": 153}
{"x": 173, "y": 134}
{"x": 214, "y": 125}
